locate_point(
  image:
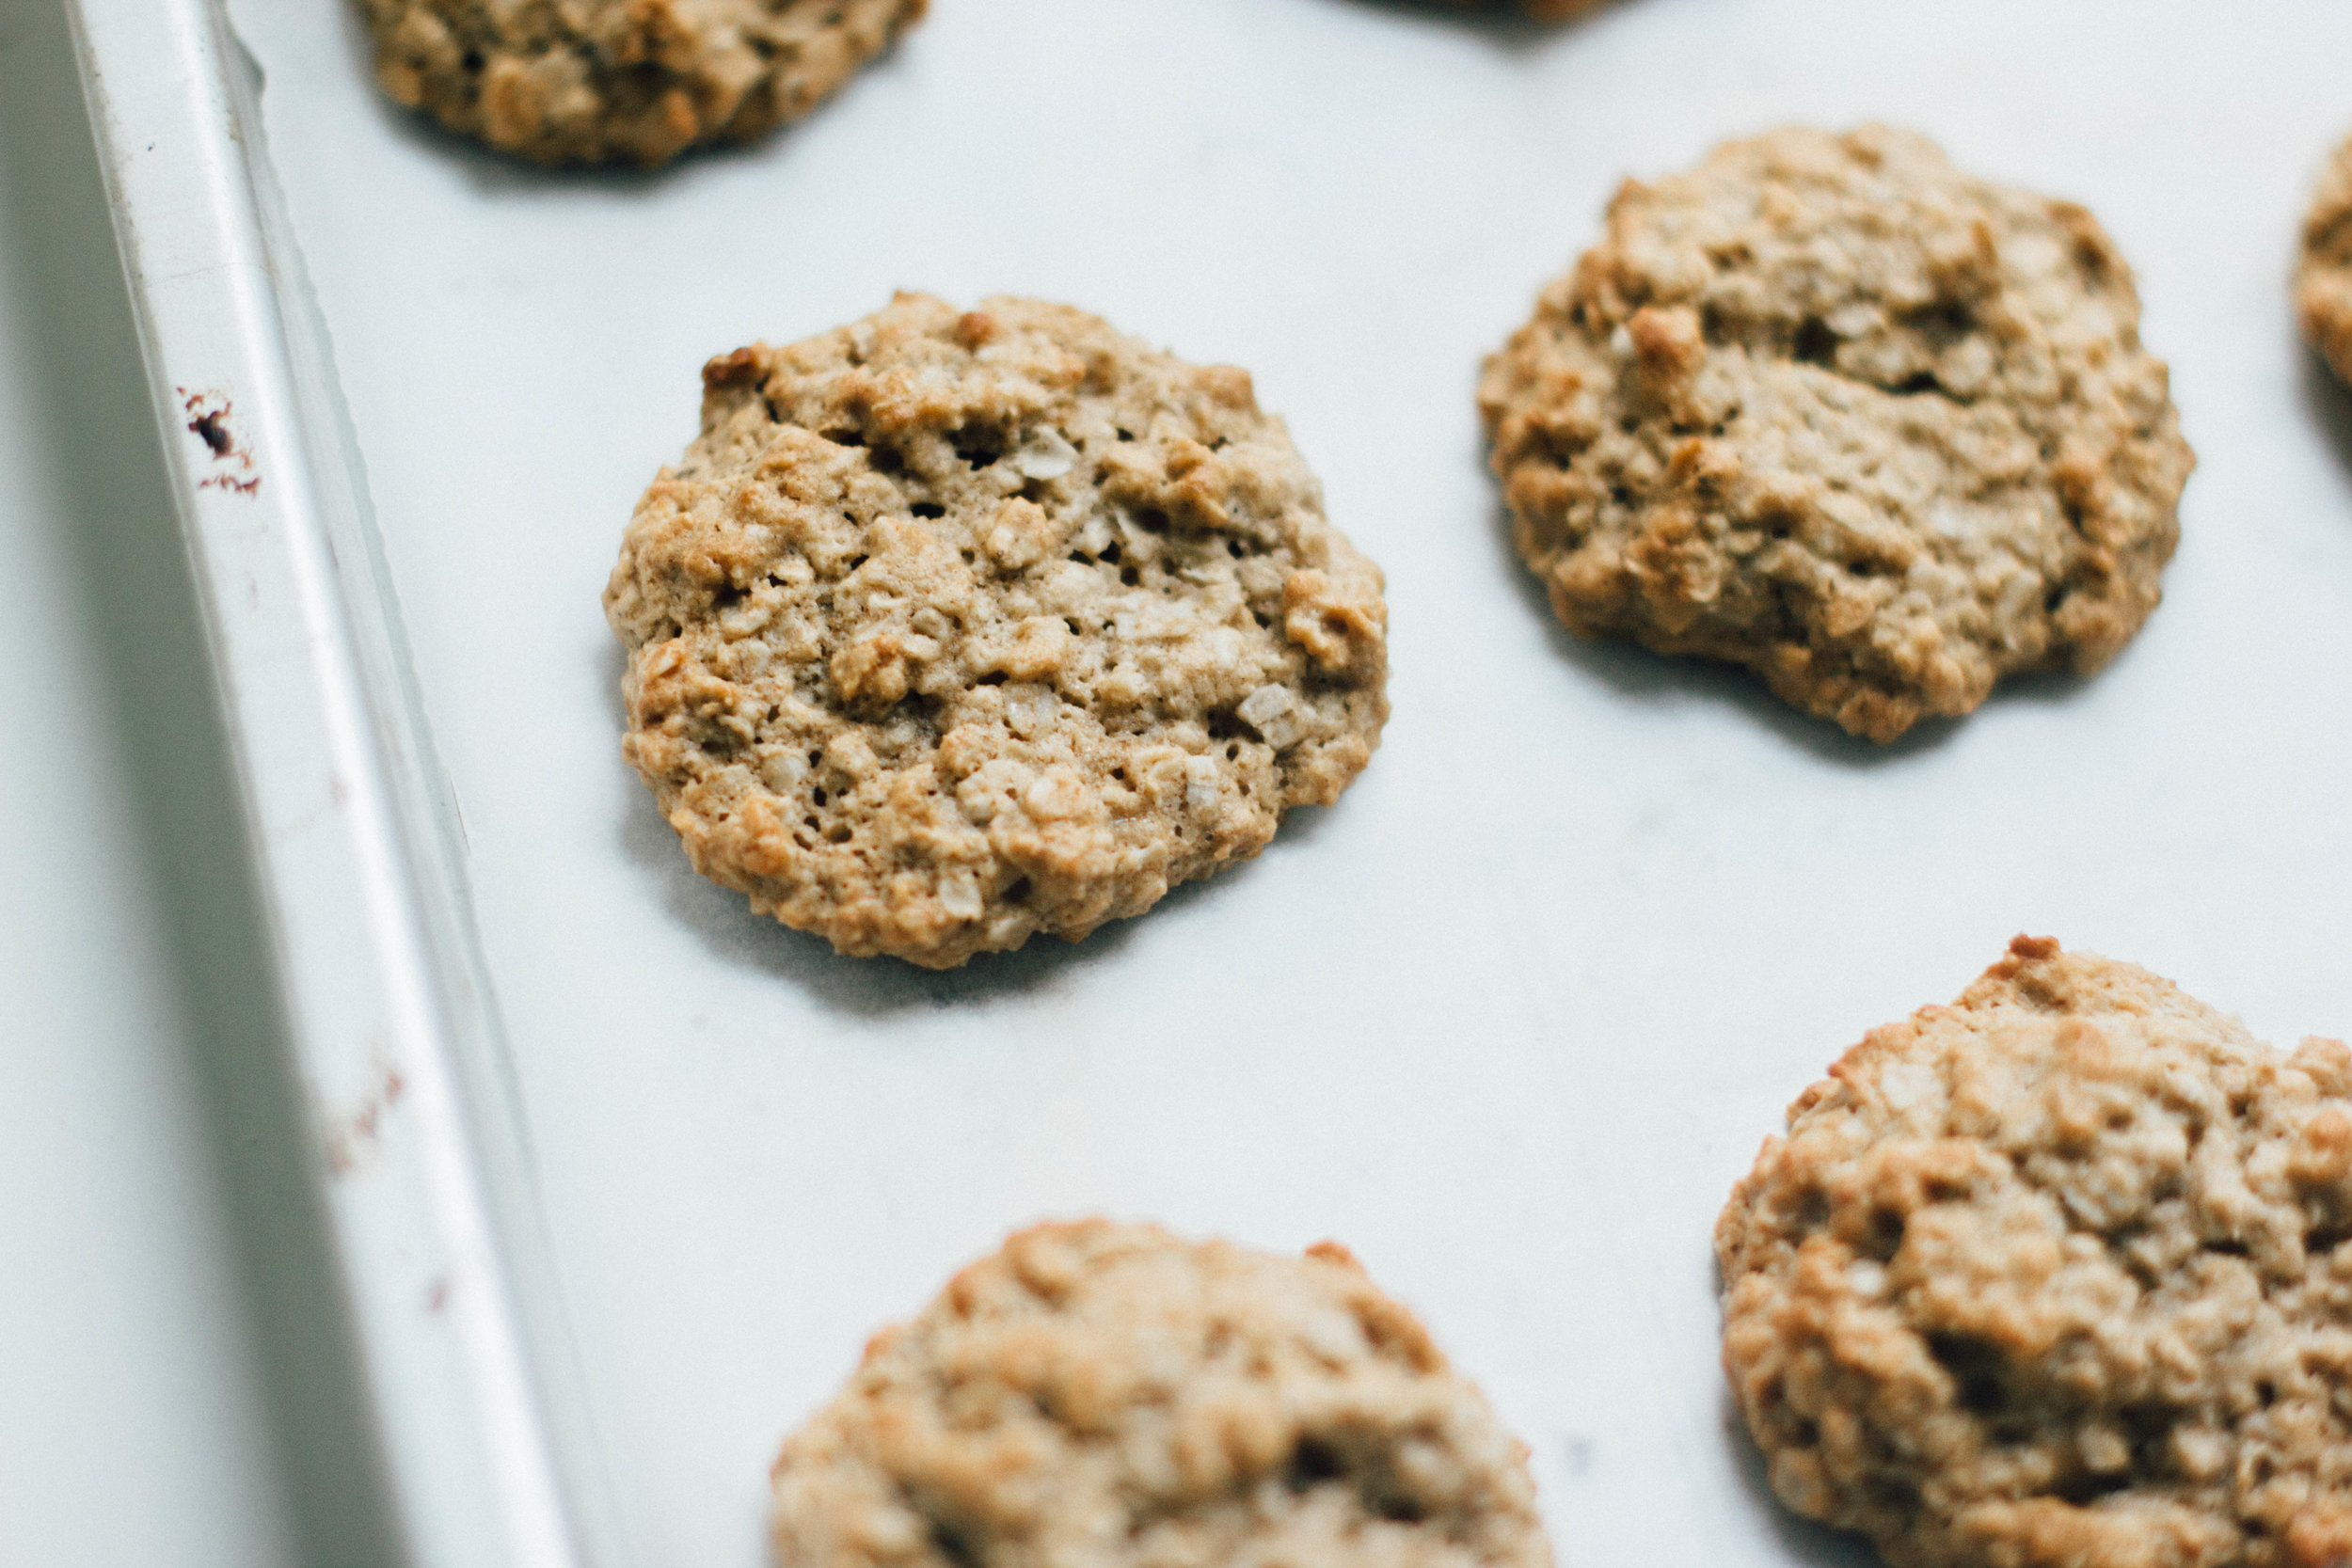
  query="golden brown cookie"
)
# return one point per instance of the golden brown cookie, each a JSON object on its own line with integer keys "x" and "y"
{"x": 2057, "y": 1276}
{"x": 623, "y": 81}
{"x": 1829, "y": 408}
{"x": 1108, "y": 1396}
{"x": 2323, "y": 282}
{"x": 955, "y": 627}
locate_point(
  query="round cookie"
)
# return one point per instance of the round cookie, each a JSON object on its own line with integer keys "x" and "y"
{"x": 1830, "y": 409}
{"x": 623, "y": 81}
{"x": 1100, "y": 1396}
{"x": 2057, "y": 1277}
{"x": 952, "y": 627}
{"x": 2323, "y": 282}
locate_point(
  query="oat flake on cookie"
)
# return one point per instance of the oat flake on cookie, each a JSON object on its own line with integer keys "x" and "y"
{"x": 956, "y": 626}
{"x": 1829, "y": 408}
{"x": 2057, "y": 1276}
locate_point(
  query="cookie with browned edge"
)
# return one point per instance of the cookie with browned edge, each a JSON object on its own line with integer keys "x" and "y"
{"x": 2057, "y": 1276}
{"x": 1108, "y": 1396}
{"x": 622, "y": 81}
{"x": 1832, "y": 409}
{"x": 956, "y": 626}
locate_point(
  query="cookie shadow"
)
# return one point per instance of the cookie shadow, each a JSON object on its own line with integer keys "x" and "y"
{"x": 882, "y": 988}
{"x": 2328, "y": 398}
{"x": 1800, "y": 1540}
{"x": 1637, "y": 673}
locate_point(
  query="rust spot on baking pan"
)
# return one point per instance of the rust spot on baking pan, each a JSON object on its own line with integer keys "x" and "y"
{"x": 216, "y": 434}
{"x": 351, "y": 1139}
{"x": 208, "y": 421}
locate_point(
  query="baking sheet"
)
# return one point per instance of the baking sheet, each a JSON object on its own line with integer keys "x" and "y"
{"x": 1510, "y": 1017}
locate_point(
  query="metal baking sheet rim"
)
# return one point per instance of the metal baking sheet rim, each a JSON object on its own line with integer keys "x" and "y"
{"x": 421, "y": 1163}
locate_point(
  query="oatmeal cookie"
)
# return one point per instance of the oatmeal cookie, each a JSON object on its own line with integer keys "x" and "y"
{"x": 622, "y": 81}
{"x": 956, "y": 626}
{"x": 1099, "y": 1395}
{"x": 1830, "y": 409}
{"x": 2057, "y": 1276}
{"x": 2323, "y": 284}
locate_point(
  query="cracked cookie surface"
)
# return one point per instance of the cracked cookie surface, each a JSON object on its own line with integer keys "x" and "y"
{"x": 2057, "y": 1276}
{"x": 1100, "y": 1396}
{"x": 622, "y": 81}
{"x": 1830, "y": 409}
{"x": 956, "y": 626}
{"x": 2323, "y": 281}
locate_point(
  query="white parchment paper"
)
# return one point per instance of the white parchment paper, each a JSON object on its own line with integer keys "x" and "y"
{"x": 1512, "y": 1017}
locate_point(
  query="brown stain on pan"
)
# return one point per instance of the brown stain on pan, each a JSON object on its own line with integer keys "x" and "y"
{"x": 208, "y": 421}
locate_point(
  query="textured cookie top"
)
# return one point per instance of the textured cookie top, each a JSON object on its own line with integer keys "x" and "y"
{"x": 622, "y": 81}
{"x": 2057, "y": 1277}
{"x": 2323, "y": 284}
{"x": 1830, "y": 409}
{"x": 1102, "y": 1395}
{"x": 956, "y": 626}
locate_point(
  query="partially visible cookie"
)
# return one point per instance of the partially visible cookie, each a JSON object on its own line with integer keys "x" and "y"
{"x": 1108, "y": 1396}
{"x": 2323, "y": 284}
{"x": 956, "y": 626}
{"x": 622, "y": 81}
{"x": 1541, "y": 11}
{"x": 1829, "y": 408}
{"x": 2057, "y": 1276}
